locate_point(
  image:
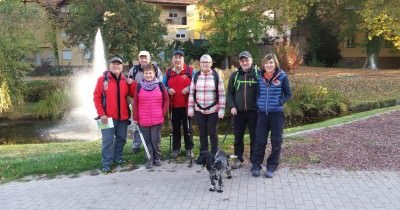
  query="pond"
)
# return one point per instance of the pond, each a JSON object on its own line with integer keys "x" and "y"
{"x": 42, "y": 131}
{"x": 45, "y": 131}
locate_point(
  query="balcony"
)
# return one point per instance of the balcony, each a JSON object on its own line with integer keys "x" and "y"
{"x": 176, "y": 21}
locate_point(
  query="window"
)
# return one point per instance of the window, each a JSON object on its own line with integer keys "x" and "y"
{"x": 202, "y": 16}
{"x": 387, "y": 44}
{"x": 180, "y": 33}
{"x": 67, "y": 54}
{"x": 350, "y": 43}
{"x": 173, "y": 14}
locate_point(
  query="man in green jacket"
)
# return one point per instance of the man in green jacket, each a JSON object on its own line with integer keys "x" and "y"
{"x": 241, "y": 99}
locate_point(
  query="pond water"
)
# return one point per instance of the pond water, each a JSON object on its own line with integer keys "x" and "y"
{"x": 42, "y": 131}
{"x": 25, "y": 132}
{"x": 45, "y": 131}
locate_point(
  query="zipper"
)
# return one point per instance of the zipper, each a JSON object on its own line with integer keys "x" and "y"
{"x": 266, "y": 100}
{"x": 244, "y": 92}
{"x": 119, "y": 99}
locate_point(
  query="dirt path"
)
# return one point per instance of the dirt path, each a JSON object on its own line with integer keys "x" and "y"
{"x": 368, "y": 144}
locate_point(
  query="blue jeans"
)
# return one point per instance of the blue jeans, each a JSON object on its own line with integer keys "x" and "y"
{"x": 113, "y": 142}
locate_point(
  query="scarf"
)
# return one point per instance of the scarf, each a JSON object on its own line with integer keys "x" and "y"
{"x": 149, "y": 85}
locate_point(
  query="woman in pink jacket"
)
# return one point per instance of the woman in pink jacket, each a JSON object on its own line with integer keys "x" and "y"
{"x": 151, "y": 104}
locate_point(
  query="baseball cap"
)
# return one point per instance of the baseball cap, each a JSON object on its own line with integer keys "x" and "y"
{"x": 245, "y": 54}
{"x": 116, "y": 59}
{"x": 179, "y": 52}
{"x": 144, "y": 53}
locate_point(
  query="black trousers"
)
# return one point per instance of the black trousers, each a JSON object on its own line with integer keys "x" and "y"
{"x": 180, "y": 119}
{"x": 266, "y": 122}
{"x": 207, "y": 124}
{"x": 241, "y": 120}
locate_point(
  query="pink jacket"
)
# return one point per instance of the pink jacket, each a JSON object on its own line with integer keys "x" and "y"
{"x": 150, "y": 106}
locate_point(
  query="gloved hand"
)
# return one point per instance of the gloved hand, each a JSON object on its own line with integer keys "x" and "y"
{"x": 133, "y": 125}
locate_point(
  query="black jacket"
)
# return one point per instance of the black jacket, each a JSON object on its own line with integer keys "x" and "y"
{"x": 242, "y": 90}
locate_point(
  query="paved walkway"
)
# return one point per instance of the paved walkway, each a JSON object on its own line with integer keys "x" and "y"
{"x": 174, "y": 186}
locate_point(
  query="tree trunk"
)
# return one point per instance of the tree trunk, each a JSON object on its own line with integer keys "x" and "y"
{"x": 226, "y": 62}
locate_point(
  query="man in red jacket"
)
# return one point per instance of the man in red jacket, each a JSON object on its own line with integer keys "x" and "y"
{"x": 177, "y": 80}
{"x": 110, "y": 99}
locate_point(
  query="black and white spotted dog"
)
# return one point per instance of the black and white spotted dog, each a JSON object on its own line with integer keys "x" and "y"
{"x": 216, "y": 165}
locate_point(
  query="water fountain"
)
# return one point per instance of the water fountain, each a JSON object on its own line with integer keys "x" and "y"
{"x": 79, "y": 124}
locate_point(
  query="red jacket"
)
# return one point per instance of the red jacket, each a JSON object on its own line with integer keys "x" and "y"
{"x": 178, "y": 82}
{"x": 116, "y": 108}
{"x": 150, "y": 106}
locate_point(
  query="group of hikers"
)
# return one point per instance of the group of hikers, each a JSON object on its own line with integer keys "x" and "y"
{"x": 254, "y": 96}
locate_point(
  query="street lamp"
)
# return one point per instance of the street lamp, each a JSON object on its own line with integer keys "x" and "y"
{"x": 82, "y": 46}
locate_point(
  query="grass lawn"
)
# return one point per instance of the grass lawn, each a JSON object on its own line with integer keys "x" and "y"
{"x": 49, "y": 160}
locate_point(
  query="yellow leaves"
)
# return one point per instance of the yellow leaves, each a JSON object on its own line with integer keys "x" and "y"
{"x": 107, "y": 14}
{"x": 5, "y": 99}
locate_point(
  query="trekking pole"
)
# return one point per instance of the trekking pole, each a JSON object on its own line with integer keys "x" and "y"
{"x": 189, "y": 134}
{"x": 144, "y": 143}
{"x": 170, "y": 135}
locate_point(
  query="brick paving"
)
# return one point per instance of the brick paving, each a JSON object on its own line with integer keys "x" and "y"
{"x": 174, "y": 186}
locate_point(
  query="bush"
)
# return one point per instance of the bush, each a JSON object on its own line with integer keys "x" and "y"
{"x": 314, "y": 103}
{"x": 288, "y": 56}
{"x": 39, "y": 90}
{"x": 53, "y": 106}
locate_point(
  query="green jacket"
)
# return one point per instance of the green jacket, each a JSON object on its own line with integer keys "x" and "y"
{"x": 242, "y": 90}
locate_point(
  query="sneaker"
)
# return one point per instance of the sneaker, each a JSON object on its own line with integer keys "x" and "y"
{"x": 175, "y": 153}
{"x": 121, "y": 162}
{"x": 157, "y": 162}
{"x": 269, "y": 174}
{"x": 236, "y": 164}
{"x": 255, "y": 171}
{"x": 149, "y": 164}
{"x": 189, "y": 154}
{"x": 135, "y": 150}
{"x": 106, "y": 169}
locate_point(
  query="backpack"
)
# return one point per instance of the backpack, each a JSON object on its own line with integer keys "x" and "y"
{"x": 187, "y": 72}
{"x": 241, "y": 81}
{"x": 216, "y": 80}
{"x": 104, "y": 95}
{"x": 137, "y": 67}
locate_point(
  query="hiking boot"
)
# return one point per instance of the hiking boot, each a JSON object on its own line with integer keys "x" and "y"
{"x": 149, "y": 164}
{"x": 106, "y": 169}
{"x": 236, "y": 164}
{"x": 121, "y": 162}
{"x": 157, "y": 162}
{"x": 175, "y": 153}
{"x": 255, "y": 171}
{"x": 135, "y": 150}
{"x": 189, "y": 154}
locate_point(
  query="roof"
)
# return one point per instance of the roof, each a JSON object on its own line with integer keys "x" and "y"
{"x": 181, "y": 2}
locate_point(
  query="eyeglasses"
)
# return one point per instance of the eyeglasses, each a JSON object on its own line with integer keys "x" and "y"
{"x": 205, "y": 62}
